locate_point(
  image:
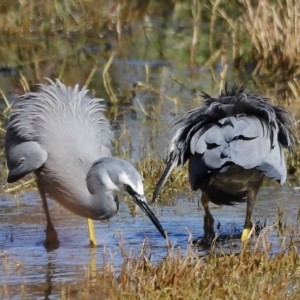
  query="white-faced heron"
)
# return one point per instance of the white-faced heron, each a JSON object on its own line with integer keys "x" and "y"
{"x": 62, "y": 135}
{"x": 231, "y": 143}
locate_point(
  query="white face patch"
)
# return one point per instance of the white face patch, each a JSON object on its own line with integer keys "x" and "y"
{"x": 136, "y": 186}
{"x": 108, "y": 183}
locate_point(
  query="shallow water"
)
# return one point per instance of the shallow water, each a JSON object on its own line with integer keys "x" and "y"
{"x": 24, "y": 260}
{"x": 159, "y": 59}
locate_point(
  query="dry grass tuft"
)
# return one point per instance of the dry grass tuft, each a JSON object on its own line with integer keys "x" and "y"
{"x": 273, "y": 29}
{"x": 27, "y": 17}
{"x": 151, "y": 170}
{"x": 247, "y": 275}
{"x": 265, "y": 33}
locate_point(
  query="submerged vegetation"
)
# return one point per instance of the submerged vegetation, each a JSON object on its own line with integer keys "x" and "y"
{"x": 150, "y": 59}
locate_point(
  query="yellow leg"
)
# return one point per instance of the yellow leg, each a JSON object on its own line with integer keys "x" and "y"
{"x": 251, "y": 197}
{"x": 93, "y": 241}
{"x": 245, "y": 235}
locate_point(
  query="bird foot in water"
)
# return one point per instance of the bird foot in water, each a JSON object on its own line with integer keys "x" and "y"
{"x": 205, "y": 242}
{"x": 51, "y": 242}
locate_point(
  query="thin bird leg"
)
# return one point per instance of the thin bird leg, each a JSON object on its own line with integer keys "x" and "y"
{"x": 251, "y": 197}
{"x": 209, "y": 221}
{"x": 93, "y": 241}
{"x": 51, "y": 241}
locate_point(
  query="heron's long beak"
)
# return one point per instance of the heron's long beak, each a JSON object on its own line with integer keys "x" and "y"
{"x": 16, "y": 174}
{"x": 165, "y": 175}
{"x": 142, "y": 203}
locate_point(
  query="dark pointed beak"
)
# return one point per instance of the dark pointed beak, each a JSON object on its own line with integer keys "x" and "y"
{"x": 16, "y": 174}
{"x": 165, "y": 175}
{"x": 142, "y": 203}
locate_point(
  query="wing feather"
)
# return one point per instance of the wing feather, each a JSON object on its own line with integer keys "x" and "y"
{"x": 237, "y": 127}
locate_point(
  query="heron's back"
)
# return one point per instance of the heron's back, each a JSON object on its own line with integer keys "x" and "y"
{"x": 73, "y": 130}
{"x": 230, "y": 141}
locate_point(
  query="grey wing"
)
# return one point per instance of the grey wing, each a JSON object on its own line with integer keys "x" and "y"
{"x": 22, "y": 157}
{"x": 243, "y": 140}
{"x": 274, "y": 165}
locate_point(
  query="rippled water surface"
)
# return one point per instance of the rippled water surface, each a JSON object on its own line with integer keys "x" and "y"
{"x": 25, "y": 260}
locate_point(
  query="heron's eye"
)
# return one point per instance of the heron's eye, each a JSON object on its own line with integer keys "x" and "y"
{"x": 128, "y": 189}
{"x": 126, "y": 186}
{"x": 20, "y": 162}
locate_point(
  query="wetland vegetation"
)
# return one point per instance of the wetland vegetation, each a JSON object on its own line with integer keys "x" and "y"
{"x": 149, "y": 61}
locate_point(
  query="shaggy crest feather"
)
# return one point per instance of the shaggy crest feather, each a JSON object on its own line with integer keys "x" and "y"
{"x": 58, "y": 115}
{"x": 231, "y": 143}
{"x": 62, "y": 135}
{"x": 234, "y": 128}
{"x": 231, "y": 103}
{"x": 47, "y": 102}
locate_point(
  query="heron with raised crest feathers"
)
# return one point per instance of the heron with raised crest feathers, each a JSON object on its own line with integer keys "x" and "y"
{"x": 231, "y": 143}
{"x": 62, "y": 135}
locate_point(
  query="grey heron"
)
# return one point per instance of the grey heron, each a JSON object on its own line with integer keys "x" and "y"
{"x": 62, "y": 135}
{"x": 230, "y": 143}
